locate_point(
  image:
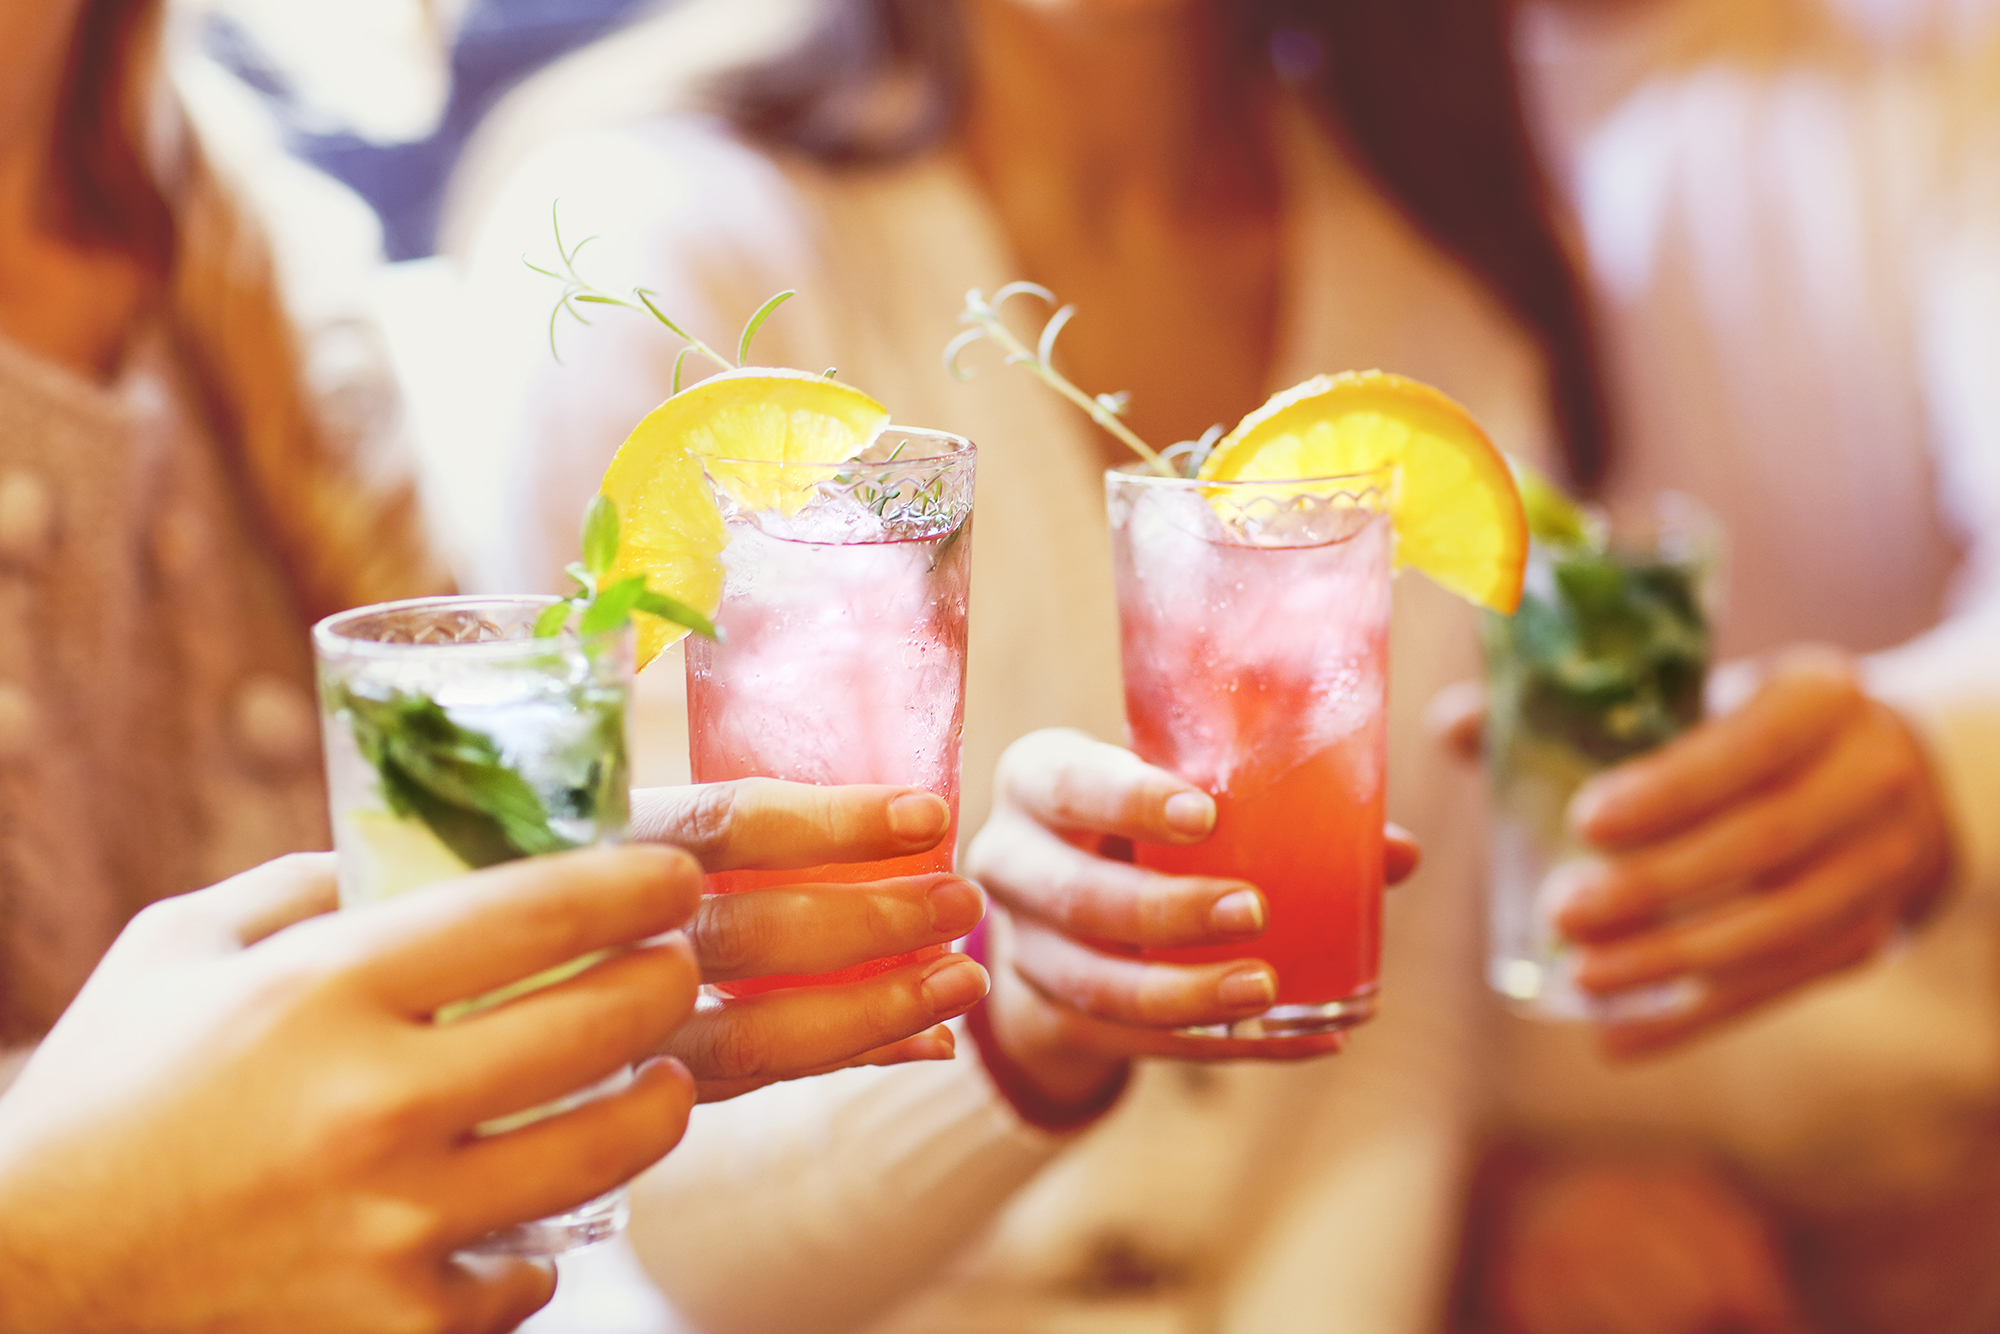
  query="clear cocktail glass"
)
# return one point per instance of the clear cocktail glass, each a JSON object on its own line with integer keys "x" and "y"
{"x": 840, "y": 656}
{"x": 455, "y": 739}
{"x": 1254, "y": 622}
{"x": 1605, "y": 659}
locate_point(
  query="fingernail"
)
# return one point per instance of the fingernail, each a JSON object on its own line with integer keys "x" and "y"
{"x": 1574, "y": 893}
{"x": 1248, "y": 988}
{"x": 1238, "y": 914}
{"x": 953, "y": 985}
{"x": 956, "y": 907}
{"x": 1190, "y": 814}
{"x": 1589, "y": 803}
{"x": 918, "y": 817}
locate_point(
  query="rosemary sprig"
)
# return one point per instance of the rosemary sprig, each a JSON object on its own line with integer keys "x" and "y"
{"x": 1107, "y": 410}
{"x": 600, "y": 607}
{"x": 579, "y": 290}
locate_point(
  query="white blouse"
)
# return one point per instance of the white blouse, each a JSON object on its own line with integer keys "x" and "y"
{"x": 1263, "y": 1198}
{"x": 1793, "y": 228}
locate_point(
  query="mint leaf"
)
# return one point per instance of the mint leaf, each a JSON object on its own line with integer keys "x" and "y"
{"x": 673, "y": 609}
{"x": 450, "y": 777}
{"x": 600, "y": 536}
{"x": 552, "y": 620}
{"x": 612, "y": 607}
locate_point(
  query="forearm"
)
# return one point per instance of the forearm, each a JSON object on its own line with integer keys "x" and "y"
{"x": 813, "y": 1207}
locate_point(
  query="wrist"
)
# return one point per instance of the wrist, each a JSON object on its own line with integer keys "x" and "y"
{"x": 1050, "y": 1084}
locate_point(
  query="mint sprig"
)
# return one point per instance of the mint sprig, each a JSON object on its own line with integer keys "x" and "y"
{"x": 598, "y": 607}
{"x": 451, "y": 778}
{"x": 1107, "y": 410}
{"x": 579, "y": 290}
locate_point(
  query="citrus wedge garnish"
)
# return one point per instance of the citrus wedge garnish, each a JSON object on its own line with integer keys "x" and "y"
{"x": 1456, "y": 511}
{"x": 671, "y": 531}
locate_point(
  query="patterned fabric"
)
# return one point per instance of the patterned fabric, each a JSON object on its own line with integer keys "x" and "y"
{"x": 157, "y": 728}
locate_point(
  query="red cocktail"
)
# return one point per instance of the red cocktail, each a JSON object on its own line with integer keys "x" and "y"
{"x": 1254, "y": 620}
{"x": 842, "y": 649}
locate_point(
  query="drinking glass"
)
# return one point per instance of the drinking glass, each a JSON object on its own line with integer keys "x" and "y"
{"x": 455, "y": 739}
{"x": 1605, "y": 659}
{"x": 840, "y": 656}
{"x": 1254, "y": 625}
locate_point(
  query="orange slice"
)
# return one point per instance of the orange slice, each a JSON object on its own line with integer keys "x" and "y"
{"x": 669, "y": 526}
{"x": 1456, "y": 510}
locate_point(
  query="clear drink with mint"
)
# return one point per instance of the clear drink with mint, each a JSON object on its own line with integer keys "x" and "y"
{"x": 456, "y": 739}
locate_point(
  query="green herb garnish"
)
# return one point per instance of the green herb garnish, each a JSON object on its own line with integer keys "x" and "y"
{"x": 602, "y": 607}
{"x": 1608, "y": 652}
{"x": 579, "y": 290}
{"x": 1107, "y": 410}
{"x": 451, "y": 778}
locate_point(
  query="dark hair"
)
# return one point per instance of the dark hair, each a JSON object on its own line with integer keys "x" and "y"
{"x": 102, "y": 193}
{"x": 1425, "y": 92}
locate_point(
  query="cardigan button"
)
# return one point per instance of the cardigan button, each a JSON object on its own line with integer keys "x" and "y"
{"x": 18, "y": 718}
{"x": 275, "y": 723}
{"x": 27, "y": 519}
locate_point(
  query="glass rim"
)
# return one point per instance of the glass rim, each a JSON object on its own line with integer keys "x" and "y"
{"x": 1136, "y": 473}
{"x": 329, "y": 640}
{"x": 961, "y": 449}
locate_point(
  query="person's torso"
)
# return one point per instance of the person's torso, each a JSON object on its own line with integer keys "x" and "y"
{"x": 157, "y": 730}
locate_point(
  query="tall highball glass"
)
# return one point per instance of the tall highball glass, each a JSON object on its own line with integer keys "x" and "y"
{"x": 841, "y": 652}
{"x": 1254, "y": 622}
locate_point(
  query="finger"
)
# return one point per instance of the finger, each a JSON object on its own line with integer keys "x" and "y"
{"x": 786, "y": 1034}
{"x": 493, "y": 1294}
{"x": 1456, "y": 716}
{"x": 278, "y": 894}
{"x": 1400, "y": 854}
{"x": 813, "y": 929}
{"x": 1861, "y": 771}
{"x": 1789, "y": 719}
{"x": 1729, "y": 997}
{"x": 559, "y": 1163}
{"x": 473, "y": 935}
{"x": 765, "y": 824}
{"x": 1068, "y": 781}
{"x": 1138, "y": 993}
{"x": 1040, "y": 876}
{"x": 1866, "y": 873}
{"x": 936, "y": 1044}
{"x": 564, "y": 1037}
{"x": 1079, "y": 1031}
{"x": 239, "y": 911}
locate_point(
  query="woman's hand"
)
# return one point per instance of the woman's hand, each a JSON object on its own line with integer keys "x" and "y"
{"x": 1634, "y": 1246}
{"x": 248, "y": 1120}
{"x": 1781, "y": 842}
{"x": 1768, "y": 848}
{"x": 737, "y": 1045}
{"x": 1068, "y": 1013}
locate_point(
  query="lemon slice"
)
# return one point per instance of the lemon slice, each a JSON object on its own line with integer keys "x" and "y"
{"x": 1455, "y": 507}
{"x": 397, "y": 855}
{"x": 669, "y": 527}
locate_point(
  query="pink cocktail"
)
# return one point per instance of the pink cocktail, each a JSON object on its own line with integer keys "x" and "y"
{"x": 842, "y": 649}
{"x": 1254, "y": 619}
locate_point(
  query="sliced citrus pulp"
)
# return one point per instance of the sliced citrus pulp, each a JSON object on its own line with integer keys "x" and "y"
{"x": 670, "y": 529}
{"x": 1456, "y": 511}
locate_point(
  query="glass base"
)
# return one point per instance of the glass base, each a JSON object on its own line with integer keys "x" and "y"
{"x": 1546, "y": 989}
{"x": 600, "y": 1220}
{"x": 1292, "y": 1021}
